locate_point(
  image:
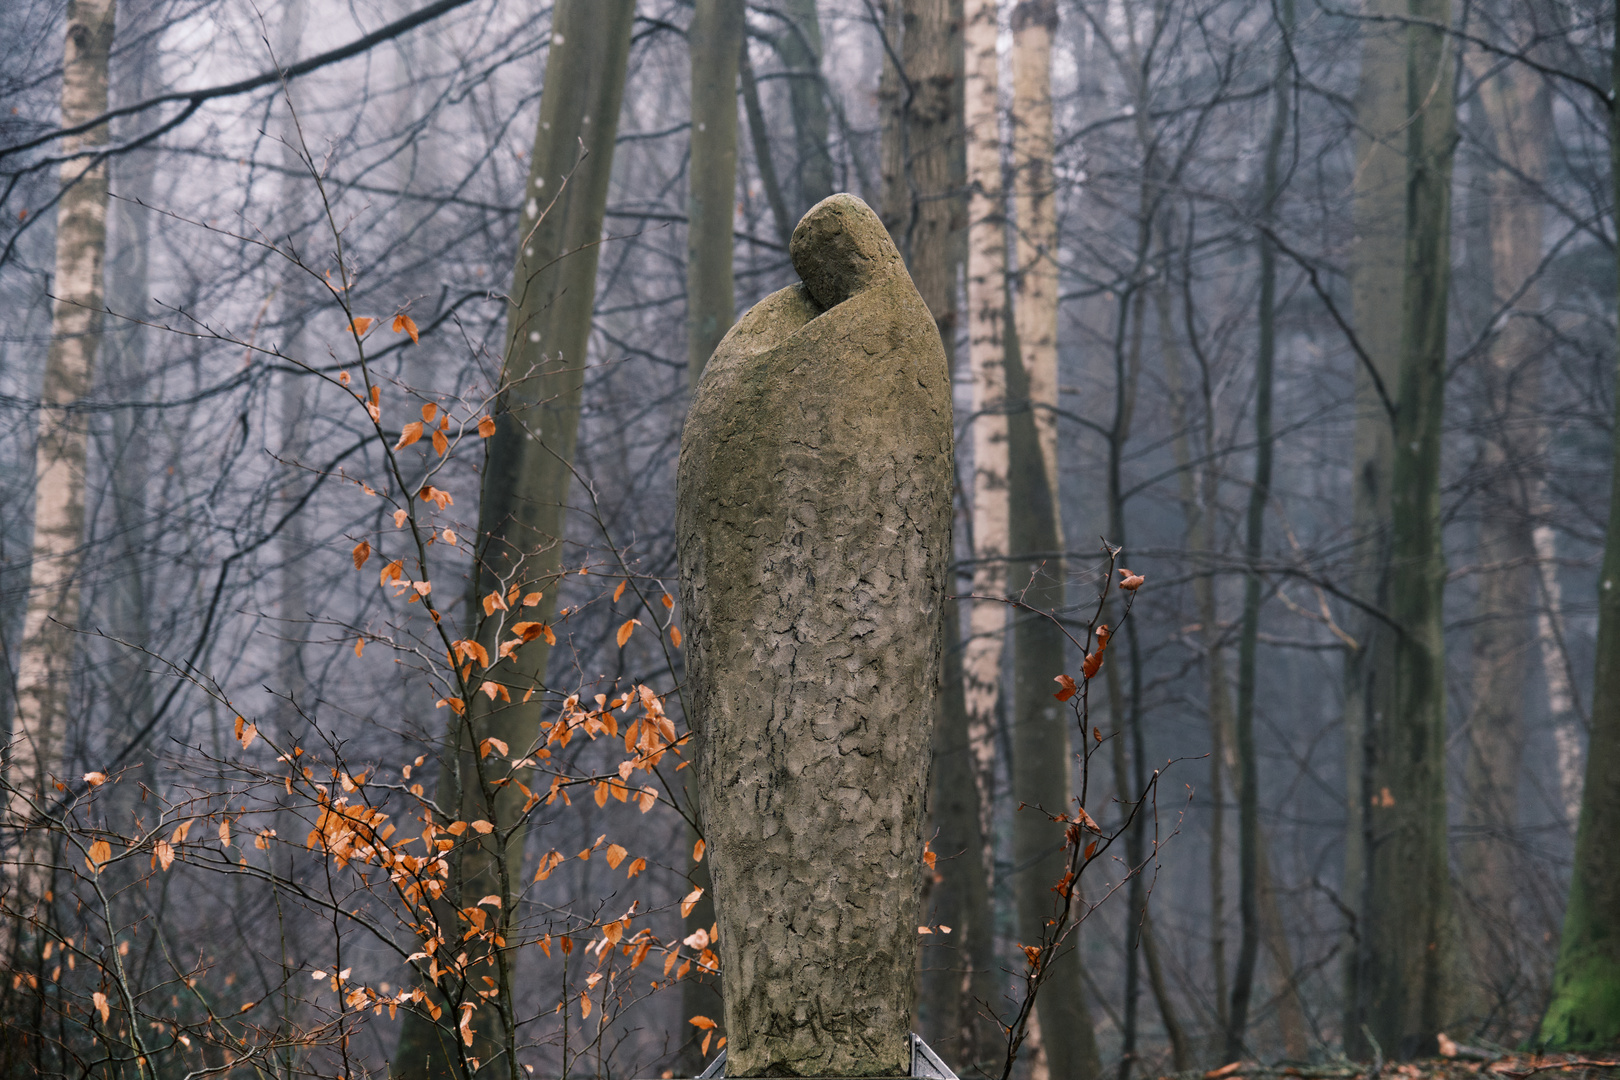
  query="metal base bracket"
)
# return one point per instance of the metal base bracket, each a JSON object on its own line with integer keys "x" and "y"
{"x": 925, "y": 1064}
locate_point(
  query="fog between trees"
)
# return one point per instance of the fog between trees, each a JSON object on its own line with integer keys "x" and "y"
{"x": 1307, "y": 307}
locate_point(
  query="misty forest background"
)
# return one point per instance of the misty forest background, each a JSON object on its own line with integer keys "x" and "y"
{"x": 1191, "y": 219}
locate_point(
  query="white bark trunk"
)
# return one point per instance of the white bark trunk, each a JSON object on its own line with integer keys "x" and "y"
{"x": 1567, "y": 736}
{"x": 986, "y": 287}
{"x": 1035, "y": 203}
{"x": 76, "y": 324}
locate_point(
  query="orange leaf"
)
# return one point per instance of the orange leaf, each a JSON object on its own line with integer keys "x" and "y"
{"x": 615, "y": 855}
{"x": 471, "y": 650}
{"x": 584, "y": 1005}
{"x": 1067, "y": 688}
{"x": 690, "y": 901}
{"x": 482, "y": 828}
{"x": 697, "y": 851}
{"x": 362, "y": 552}
{"x": 102, "y": 1005}
{"x": 405, "y": 323}
{"x": 494, "y": 602}
{"x": 669, "y": 601}
{"x": 675, "y": 636}
{"x": 1130, "y": 582}
{"x": 441, "y": 445}
{"x": 359, "y": 646}
{"x": 486, "y": 427}
{"x": 702, "y": 1023}
{"x": 95, "y": 779}
{"x": 647, "y": 799}
{"x": 100, "y": 853}
{"x": 620, "y": 590}
{"x": 626, "y": 629}
{"x": 1092, "y": 664}
{"x": 635, "y": 868}
{"x": 430, "y": 410}
{"x": 360, "y": 325}
{"x": 411, "y": 433}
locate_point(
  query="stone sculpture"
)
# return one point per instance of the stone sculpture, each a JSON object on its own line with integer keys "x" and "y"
{"x": 813, "y": 527}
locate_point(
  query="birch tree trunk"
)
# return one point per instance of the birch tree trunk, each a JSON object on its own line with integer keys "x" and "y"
{"x": 1585, "y": 1007}
{"x": 1406, "y": 938}
{"x": 46, "y": 658}
{"x": 1517, "y": 109}
{"x": 522, "y": 510}
{"x": 1378, "y": 212}
{"x": 1561, "y": 705}
{"x": 987, "y": 309}
{"x": 1034, "y": 24}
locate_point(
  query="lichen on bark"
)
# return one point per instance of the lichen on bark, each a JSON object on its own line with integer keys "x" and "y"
{"x": 813, "y": 523}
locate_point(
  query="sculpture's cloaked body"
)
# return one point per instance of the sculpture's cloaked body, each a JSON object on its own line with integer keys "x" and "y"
{"x": 813, "y": 526}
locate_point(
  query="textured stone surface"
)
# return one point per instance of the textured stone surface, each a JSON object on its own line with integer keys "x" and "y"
{"x": 813, "y": 524}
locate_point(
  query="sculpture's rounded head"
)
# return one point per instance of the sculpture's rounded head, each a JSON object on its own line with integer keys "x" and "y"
{"x": 840, "y": 247}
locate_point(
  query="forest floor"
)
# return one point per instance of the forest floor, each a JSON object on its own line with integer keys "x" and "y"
{"x": 1484, "y": 1066}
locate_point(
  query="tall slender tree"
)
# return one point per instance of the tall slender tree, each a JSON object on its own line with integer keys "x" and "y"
{"x": 1042, "y": 749}
{"x": 717, "y": 39}
{"x": 526, "y": 479}
{"x": 1407, "y": 932}
{"x": 1585, "y": 1006}
{"x": 1034, "y": 26}
{"x": 1518, "y": 121}
{"x": 798, "y": 42}
{"x": 987, "y": 309}
{"x": 1254, "y": 548}
{"x": 1378, "y": 216}
{"x": 61, "y": 450}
